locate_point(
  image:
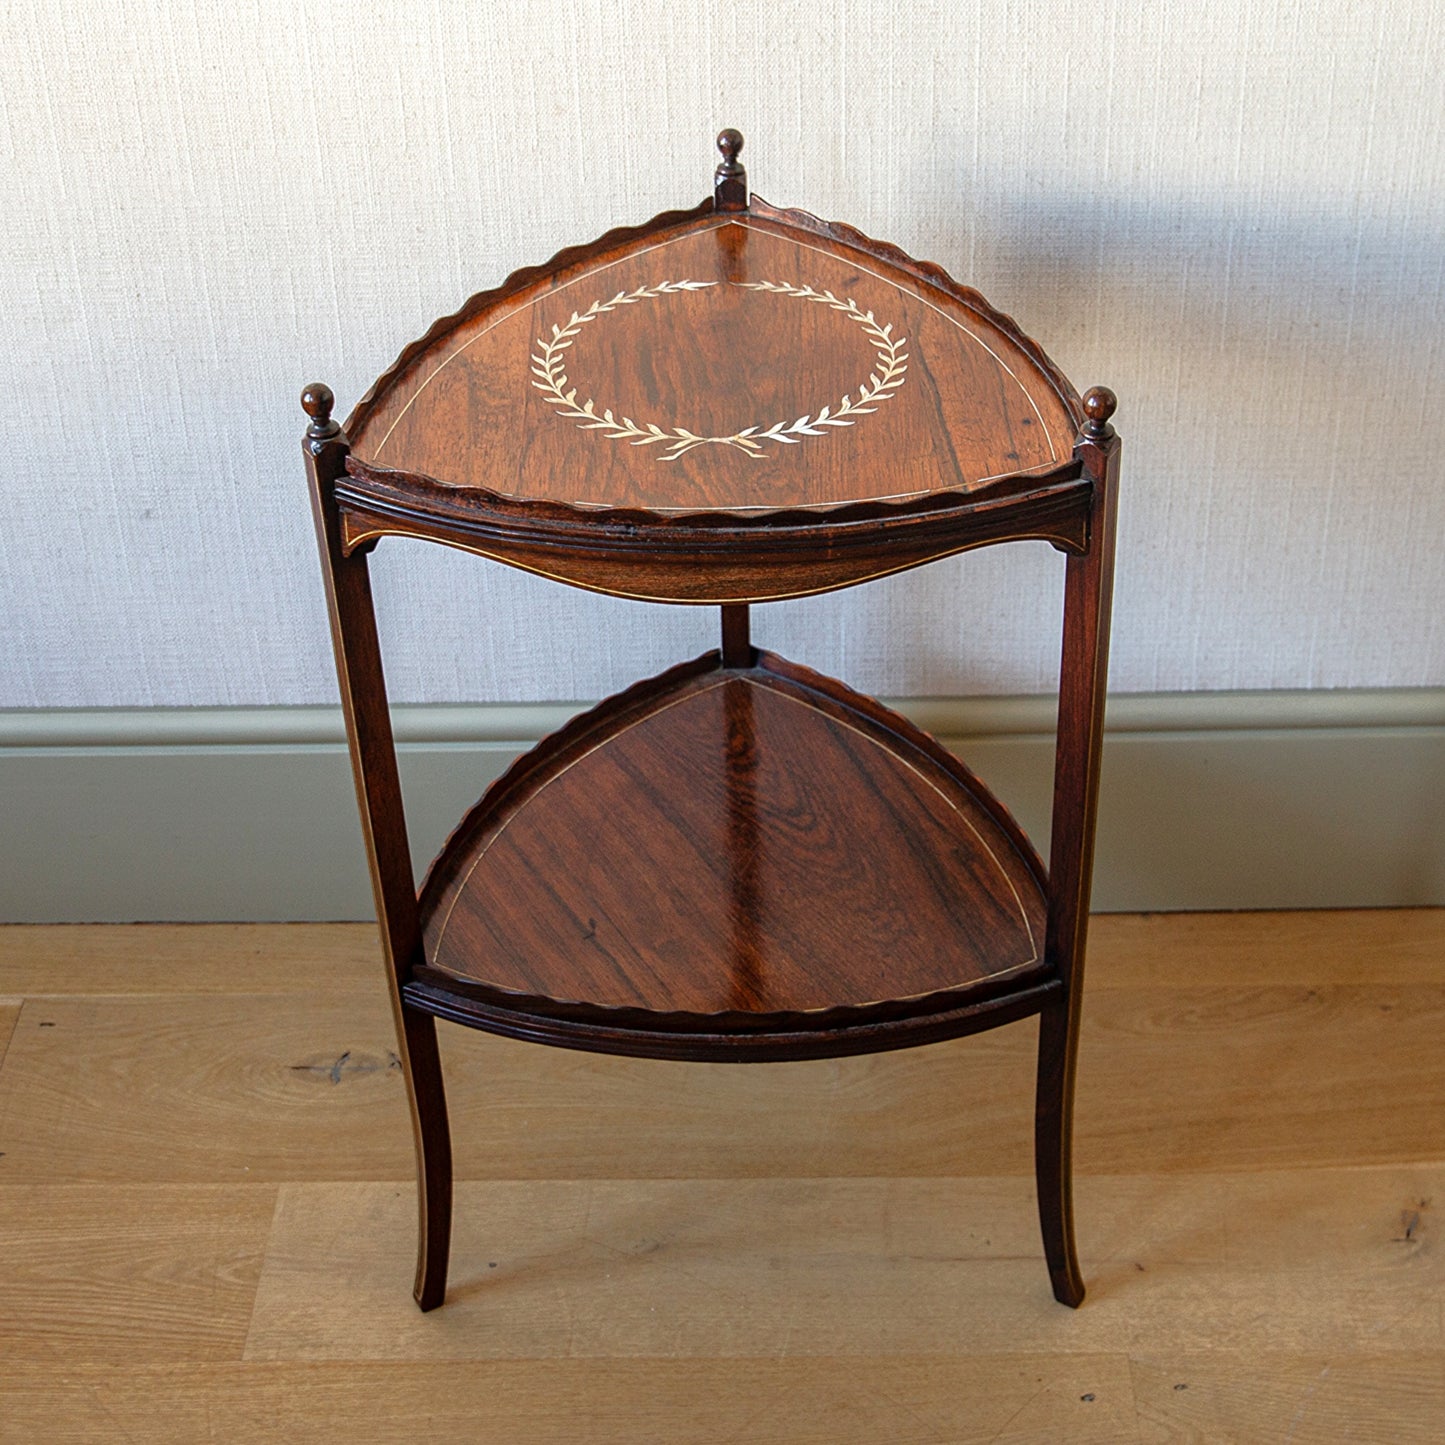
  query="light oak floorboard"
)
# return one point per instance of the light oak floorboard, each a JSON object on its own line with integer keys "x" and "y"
{"x": 1254, "y": 1076}
{"x": 188, "y": 958}
{"x": 9, "y": 1015}
{"x": 710, "y": 1268}
{"x": 128, "y": 1272}
{"x": 285, "y": 1087}
{"x": 201, "y": 1089}
{"x": 207, "y": 1211}
{"x": 1191, "y": 950}
{"x": 929, "y": 1401}
{"x": 1310, "y": 1399}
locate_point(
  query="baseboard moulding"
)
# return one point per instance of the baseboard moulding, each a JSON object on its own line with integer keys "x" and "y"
{"x": 1209, "y": 800}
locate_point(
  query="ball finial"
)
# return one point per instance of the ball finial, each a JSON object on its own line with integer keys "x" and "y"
{"x": 1099, "y": 406}
{"x": 317, "y": 401}
{"x": 730, "y": 180}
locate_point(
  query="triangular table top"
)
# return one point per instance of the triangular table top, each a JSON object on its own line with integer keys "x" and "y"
{"x": 747, "y": 362}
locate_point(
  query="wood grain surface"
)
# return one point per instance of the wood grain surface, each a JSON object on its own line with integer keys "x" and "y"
{"x": 720, "y": 557}
{"x": 714, "y": 1268}
{"x": 1084, "y": 1399}
{"x": 286, "y": 1087}
{"x": 807, "y": 369}
{"x": 129, "y": 1273}
{"x": 670, "y": 414}
{"x": 9, "y": 1014}
{"x": 838, "y": 1251}
{"x": 698, "y": 850}
{"x": 194, "y": 958}
{"x": 1305, "y": 1399}
{"x": 1390, "y": 946}
{"x": 195, "y": 1088}
{"x": 996, "y": 1399}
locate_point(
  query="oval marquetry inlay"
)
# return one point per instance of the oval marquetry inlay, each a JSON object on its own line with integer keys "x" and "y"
{"x": 549, "y": 363}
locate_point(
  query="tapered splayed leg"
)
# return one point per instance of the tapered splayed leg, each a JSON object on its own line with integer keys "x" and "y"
{"x": 1083, "y": 671}
{"x": 433, "y": 1159}
{"x": 1053, "y": 1140}
{"x": 383, "y": 823}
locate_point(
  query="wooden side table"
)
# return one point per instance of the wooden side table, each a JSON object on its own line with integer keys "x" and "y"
{"x": 740, "y": 859}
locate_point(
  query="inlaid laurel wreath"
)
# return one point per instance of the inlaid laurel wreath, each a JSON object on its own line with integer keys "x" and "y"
{"x": 549, "y": 367}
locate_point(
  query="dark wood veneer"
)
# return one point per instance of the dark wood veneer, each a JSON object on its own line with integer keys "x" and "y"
{"x": 722, "y": 1040}
{"x": 715, "y": 558}
{"x": 706, "y": 846}
{"x": 753, "y": 361}
{"x": 739, "y": 860}
{"x": 567, "y": 260}
{"x": 972, "y": 443}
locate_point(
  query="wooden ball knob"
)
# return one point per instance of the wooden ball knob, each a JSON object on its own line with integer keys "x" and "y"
{"x": 1099, "y": 405}
{"x": 730, "y": 143}
{"x": 317, "y": 401}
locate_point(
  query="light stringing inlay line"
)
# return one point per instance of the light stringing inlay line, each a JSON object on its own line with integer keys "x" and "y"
{"x": 549, "y": 367}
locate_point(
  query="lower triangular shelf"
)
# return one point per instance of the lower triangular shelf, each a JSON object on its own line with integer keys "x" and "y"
{"x": 748, "y": 844}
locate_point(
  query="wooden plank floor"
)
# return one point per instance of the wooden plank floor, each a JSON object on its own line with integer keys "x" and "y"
{"x": 206, "y": 1209}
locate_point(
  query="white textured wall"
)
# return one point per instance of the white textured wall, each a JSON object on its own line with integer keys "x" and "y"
{"x": 1233, "y": 214}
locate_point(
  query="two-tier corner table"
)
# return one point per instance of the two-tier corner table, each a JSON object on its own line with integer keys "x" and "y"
{"x": 740, "y": 859}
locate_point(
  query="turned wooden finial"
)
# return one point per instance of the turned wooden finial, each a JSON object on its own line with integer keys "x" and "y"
{"x": 1099, "y": 405}
{"x": 730, "y": 180}
{"x": 317, "y": 401}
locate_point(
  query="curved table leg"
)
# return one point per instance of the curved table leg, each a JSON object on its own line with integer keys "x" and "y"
{"x": 433, "y": 1158}
{"x": 1053, "y": 1138}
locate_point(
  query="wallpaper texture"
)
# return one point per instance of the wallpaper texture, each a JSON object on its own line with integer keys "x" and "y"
{"x": 1234, "y": 215}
